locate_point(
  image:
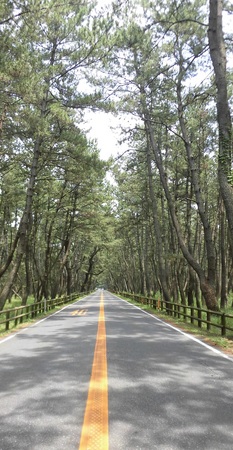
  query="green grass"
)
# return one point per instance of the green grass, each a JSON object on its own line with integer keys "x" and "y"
{"x": 215, "y": 319}
{"x": 213, "y": 336}
{"x": 17, "y": 302}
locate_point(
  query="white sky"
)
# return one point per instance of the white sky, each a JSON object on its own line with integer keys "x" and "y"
{"x": 104, "y": 127}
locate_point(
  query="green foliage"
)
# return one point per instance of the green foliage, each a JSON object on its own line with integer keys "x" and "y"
{"x": 44, "y": 60}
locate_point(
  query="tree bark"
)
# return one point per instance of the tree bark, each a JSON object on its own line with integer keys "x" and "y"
{"x": 210, "y": 250}
{"x": 24, "y": 226}
{"x": 223, "y": 251}
{"x": 207, "y": 289}
{"x": 89, "y": 272}
{"x": 157, "y": 230}
{"x": 218, "y": 57}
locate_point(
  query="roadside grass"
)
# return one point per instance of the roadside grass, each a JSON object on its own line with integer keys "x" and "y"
{"x": 211, "y": 337}
{"x": 215, "y": 326}
{"x": 17, "y": 303}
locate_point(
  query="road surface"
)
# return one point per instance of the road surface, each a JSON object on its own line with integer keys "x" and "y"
{"x": 153, "y": 386}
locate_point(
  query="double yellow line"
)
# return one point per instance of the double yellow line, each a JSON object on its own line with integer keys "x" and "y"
{"x": 95, "y": 425}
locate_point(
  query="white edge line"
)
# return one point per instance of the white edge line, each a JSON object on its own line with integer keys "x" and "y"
{"x": 50, "y": 315}
{"x": 7, "y": 338}
{"x": 218, "y": 352}
{"x": 36, "y": 323}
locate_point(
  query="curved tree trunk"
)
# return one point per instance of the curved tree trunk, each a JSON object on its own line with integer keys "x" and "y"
{"x": 24, "y": 226}
{"x": 202, "y": 210}
{"x": 207, "y": 289}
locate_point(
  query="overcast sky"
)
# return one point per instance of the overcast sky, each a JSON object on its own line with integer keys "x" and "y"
{"x": 100, "y": 125}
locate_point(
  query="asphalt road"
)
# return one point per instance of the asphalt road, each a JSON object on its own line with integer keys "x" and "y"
{"x": 166, "y": 391}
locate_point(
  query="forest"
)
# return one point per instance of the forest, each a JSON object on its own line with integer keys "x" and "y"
{"x": 159, "y": 216}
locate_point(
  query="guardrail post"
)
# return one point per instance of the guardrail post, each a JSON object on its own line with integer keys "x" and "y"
{"x": 185, "y": 313}
{"x": 172, "y": 309}
{"x": 7, "y": 320}
{"x": 21, "y": 313}
{"x": 223, "y": 323}
{"x": 178, "y": 311}
{"x": 208, "y": 317}
{"x": 192, "y": 313}
{"x": 199, "y": 317}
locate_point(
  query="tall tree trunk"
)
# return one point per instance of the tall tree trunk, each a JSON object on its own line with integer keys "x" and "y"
{"x": 140, "y": 245}
{"x": 207, "y": 289}
{"x": 223, "y": 251}
{"x": 181, "y": 288}
{"x": 89, "y": 272}
{"x": 146, "y": 259}
{"x": 68, "y": 277}
{"x": 202, "y": 210}
{"x": 27, "y": 289}
{"x": 218, "y": 57}
{"x": 157, "y": 231}
{"x": 24, "y": 226}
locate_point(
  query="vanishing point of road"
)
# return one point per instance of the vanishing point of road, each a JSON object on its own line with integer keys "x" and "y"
{"x": 102, "y": 374}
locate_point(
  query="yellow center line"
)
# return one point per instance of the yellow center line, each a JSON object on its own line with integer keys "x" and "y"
{"x": 94, "y": 434}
